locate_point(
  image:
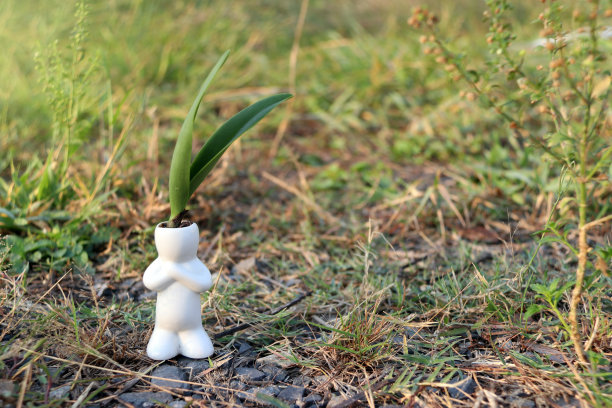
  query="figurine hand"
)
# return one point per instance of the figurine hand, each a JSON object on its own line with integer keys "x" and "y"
{"x": 155, "y": 277}
{"x": 193, "y": 274}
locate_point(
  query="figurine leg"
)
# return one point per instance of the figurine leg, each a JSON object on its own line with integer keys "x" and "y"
{"x": 164, "y": 344}
{"x": 195, "y": 343}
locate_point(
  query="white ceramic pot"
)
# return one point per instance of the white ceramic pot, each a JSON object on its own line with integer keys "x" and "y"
{"x": 178, "y": 277}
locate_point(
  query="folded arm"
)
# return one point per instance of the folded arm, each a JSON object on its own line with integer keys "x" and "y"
{"x": 156, "y": 278}
{"x": 193, "y": 274}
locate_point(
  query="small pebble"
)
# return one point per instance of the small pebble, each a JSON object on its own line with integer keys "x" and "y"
{"x": 522, "y": 403}
{"x": 251, "y": 395}
{"x": 250, "y": 374}
{"x": 335, "y": 401}
{"x": 275, "y": 373}
{"x": 302, "y": 381}
{"x": 237, "y": 385}
{"x": 274, "y": 360}
{"x": 194, "y": 367}
{"x": 244, "y": 347}
{"x": 146, "y": 399}
{"x": 59, "y": 392}
{"x": 313, "y": 400}
{"x": 291, "y": 394}
{"x": 461, "y": 389}
{"x": 170, "y": 375}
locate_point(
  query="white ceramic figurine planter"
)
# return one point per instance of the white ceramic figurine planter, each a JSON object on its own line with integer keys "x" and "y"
{"x": 178, "y": 277}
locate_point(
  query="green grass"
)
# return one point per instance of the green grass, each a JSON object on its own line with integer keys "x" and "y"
{"x": 401, "y": 204}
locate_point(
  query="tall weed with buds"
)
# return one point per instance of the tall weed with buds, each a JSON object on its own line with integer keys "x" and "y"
{"x": 554, "y": 94}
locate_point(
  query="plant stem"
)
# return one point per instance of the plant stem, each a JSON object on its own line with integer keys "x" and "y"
{"x": 583, "y": 247}
{"x": 582, "y": 258}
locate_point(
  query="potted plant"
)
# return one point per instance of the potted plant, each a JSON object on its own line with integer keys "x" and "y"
{"x": 177, "y": 275}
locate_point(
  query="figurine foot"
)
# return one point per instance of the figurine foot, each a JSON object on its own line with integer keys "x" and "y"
{"x": 163, "y": 345}
{"x": 195, "y": 344}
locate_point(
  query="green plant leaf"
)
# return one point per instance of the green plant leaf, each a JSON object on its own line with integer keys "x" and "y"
{"x": 533, "y": 309}
{"x": 231, "y": 130}
{"x": 179, "y": 168}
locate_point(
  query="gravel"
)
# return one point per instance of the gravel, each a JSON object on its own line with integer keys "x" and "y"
{"x": 275, "y": 373}
{"x": 194, "y": 367}
{"x": 291, "y": 394}
{"x": 313, "y": 399}
{"x": 461, "y": 389}
{"x": 59, "y": 392}
{"x": 251, "y": 395}
{"x": 274, "y": 361}
{"x": 146, "y": 399}
{"x": 250, "y": 374}
{"x": 170, "y": 376}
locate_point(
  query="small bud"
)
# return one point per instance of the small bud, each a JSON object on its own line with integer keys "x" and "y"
{"x": 555, "y": 75}
{"x": 576, "y": 13}
{"x": 556, "y": 63}
{"x": 470, "y": 96}
{"x": 367, "y": 116}
{"x": 414, "y": 22}
{"x": 540, "y": 67}
{"x": 547, "y": 32}
{"x": 608, "y": 13}
{"x": 513, "y": 125}
{"x": 441, "y": 60}
{"x": 556, "y": 83}
{"x": 549, "y": 45}
{"x": 423, "y": 39}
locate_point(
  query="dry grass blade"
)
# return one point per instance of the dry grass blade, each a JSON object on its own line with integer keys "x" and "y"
{"x": 317, "y": 209}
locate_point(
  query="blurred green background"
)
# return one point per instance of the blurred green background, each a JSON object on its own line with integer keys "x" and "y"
{"x": 91, "y": 103}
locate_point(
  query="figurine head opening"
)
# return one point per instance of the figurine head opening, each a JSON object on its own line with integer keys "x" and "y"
{"x": 177, "y": 244}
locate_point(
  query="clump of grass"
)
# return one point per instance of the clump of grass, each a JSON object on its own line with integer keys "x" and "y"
{"x": 554, "y": 96}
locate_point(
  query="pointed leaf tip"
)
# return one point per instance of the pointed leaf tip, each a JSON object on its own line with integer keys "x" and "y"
{"x": 223, "y": 137}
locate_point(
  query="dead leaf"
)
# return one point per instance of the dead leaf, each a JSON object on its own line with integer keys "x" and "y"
{"x": 552, "y": 354}
{"x": 244, "y": 266}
